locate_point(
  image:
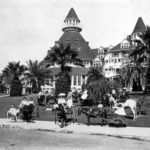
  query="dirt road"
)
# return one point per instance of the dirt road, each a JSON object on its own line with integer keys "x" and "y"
{"x": 19, "y": 139}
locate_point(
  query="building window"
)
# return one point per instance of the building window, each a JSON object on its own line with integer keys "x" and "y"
{"x": 79, "y": 80}
{"x": 69, "y": 22}
{"x": 117, "y": 70}
{"x": 83, "y": 79}
{"x": 73, "y": 22}
{"x": 115, "y": 55}
{"x": 75, "y": 80}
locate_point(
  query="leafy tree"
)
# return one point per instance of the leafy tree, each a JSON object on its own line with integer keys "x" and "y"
{"x": 36, "y": 75}
{"x": 11, "y": 76}
{"x": 97, "y": 85}
{"x": 2, "y": 86}
{"x": 97, "y": 89}
{"x": 63, "y": 55}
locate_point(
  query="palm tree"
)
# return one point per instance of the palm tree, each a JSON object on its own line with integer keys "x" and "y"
{"x": 94, "y": 74}
{"x": 63, "y": 55}
{"x": 133, "y": 72}
{"x": 141, "y": 56}
{"x": 146, "y": 46}
{"x": 11, "y": 76}
{"x": 36, "y": 75}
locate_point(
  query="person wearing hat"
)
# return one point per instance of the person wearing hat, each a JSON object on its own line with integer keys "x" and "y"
{"x": 61, "y": 98}
{"x": 69, "y": 100}
{"x": 124, "y": 95}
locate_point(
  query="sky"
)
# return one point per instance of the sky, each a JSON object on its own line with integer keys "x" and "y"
{"x": 28, "y": 28}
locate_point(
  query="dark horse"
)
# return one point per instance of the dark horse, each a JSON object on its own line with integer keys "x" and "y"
{"x": 93, "y": 112}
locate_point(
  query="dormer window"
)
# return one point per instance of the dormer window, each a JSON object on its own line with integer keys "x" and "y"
{"x": 125, "y": 45}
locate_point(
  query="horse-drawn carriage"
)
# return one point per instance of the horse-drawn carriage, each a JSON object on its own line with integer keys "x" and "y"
{"x": 63, "y": 115}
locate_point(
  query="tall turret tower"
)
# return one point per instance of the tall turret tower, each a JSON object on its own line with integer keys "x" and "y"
{"x": 72, "y": 34}
{"x": 72, "y": 22}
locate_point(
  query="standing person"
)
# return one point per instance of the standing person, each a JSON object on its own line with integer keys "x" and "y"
{"x": 84, "y": 96}
{"x": 105, "y": 100}
{"x": 31, "y": 107}
{"x": 41, "y": 98}
{"x": 112, "y": 101}
{"x": 114, "y": 94}
{"x": 69, "y": 100}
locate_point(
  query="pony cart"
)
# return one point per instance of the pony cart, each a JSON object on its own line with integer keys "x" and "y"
{"x": 65, "y": 114}
{"x": 93, "y": 112}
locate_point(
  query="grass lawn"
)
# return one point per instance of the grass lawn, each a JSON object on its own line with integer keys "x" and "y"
{"x": 6, "y": 102}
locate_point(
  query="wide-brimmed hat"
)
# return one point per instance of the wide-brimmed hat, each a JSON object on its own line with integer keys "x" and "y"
{"x": 62, "y": 94}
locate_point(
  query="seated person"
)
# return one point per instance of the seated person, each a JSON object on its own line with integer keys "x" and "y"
{"x": 26, "y": 108}
{"x": 23, "y": 102}
{"x": 41, "y": 98}
{"x": 61, "y": 98}
{"x": 123, "y": 96}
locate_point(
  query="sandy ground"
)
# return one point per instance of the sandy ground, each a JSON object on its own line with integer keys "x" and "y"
{"x": 20, "y": 139}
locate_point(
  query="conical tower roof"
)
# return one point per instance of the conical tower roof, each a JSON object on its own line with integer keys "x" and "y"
{"x": 140, "y": 26}
{"x": 72, "y": 15}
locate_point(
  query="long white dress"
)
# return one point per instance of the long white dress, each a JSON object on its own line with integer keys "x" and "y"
{"x": 69, "y": 100}
{"x": 84, "y": 95}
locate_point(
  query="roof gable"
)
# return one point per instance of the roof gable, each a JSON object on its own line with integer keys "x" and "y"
{"x": 140, "y": 26}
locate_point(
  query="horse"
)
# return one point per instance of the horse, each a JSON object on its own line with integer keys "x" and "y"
{"x": 93, "y": 113}
{"x": 131, "y": 103}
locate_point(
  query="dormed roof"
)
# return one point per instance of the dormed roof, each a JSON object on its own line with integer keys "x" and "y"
{"x": 140, "y": 26}
{"x": 74, "y": 70}
{"x": 72, "y": 15}
{"x": 118, "y": 47}
{"x": 95, "y": 52}
{"x": 78, "y": 43}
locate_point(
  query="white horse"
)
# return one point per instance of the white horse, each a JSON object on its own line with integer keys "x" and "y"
{"x": 129, "y": 103}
